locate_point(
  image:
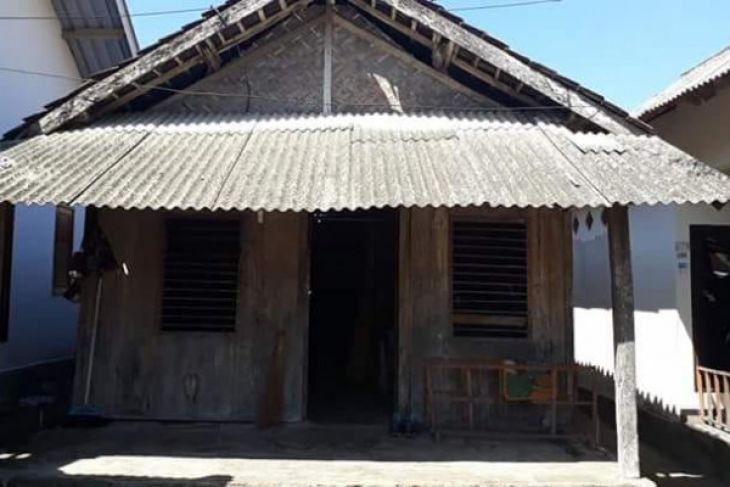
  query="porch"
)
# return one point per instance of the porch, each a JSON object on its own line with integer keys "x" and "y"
{"x": 298, "y": 454}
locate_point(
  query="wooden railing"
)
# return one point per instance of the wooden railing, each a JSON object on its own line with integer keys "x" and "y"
{"x": 713, "y": 387}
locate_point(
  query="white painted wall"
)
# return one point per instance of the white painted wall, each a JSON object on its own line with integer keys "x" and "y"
{"x": 32, "y": 45}
{"x": 42, "y": 327}
{"x": 663, "y": 300}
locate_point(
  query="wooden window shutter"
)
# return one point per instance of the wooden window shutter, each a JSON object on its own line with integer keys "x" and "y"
{"x": 200, "y": 288}
{"x": 7, "y": 223}
{"x": 489, "y": 279}
{"x": 63, "y": 242}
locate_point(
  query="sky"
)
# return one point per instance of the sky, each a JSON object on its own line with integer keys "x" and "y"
{"x": 626, "y": 50}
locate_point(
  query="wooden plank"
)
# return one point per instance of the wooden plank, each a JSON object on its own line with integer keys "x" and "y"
{"x": 622, "y": 293}
{"x": 327, "y": 75}
{"x": 700, "y": 392}
{"x": 405, "y": 313}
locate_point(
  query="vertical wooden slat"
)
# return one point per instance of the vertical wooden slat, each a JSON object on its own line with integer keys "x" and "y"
{"x": 554, "y": 402}
{"x": 701, "y": 395}
{"x": 726, "y": 402}
{"x": 63, "y": 240}
{"x": 470, "y": 394}
{"x": 718, "y": 399}
{"x": 405, "y": 312}
{"x": 622, "y": 294}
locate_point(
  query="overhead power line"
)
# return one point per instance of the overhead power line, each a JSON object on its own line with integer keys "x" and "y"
{"x": 502, "y": 5}
{"x": 159, "y": 13}
{"x": 299, "y": 102}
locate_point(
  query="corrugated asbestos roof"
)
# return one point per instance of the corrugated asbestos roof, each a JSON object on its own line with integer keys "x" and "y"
{"x": 318, "y": 162}
{"x": 701, "y": 75}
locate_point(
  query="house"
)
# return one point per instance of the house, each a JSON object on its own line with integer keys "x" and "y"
{"x": 679, "y": 250}
{"x": 70, "y": 39}
{"x": 297, "y": 208}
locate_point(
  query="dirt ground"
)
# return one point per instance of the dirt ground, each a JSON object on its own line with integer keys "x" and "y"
{"x": 303, "y": 454}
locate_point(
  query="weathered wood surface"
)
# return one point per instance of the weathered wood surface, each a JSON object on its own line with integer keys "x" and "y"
{"x": 425, "y": 296}
{"x": 622, "y": 295}
{"x": 713, "y": 390}
{"x": 142, "y": 372}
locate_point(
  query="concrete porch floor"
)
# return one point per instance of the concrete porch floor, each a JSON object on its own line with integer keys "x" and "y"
{"x": 220, "y": 455}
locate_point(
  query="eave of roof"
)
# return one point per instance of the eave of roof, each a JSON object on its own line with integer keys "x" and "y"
{"x": 708, "y": 72}
{"x": 561, "y": 90}
{"x": 336, "y": 162}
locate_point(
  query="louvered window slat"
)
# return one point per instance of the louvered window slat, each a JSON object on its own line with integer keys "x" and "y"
{"x": 489, "y": 279}
{"x": 200, "y": 288}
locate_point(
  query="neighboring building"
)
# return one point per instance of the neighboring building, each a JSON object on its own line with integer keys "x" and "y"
{"x": 293, "y": 208}
{"x": 681, "y": 254}
{"x": 70, "y": 39}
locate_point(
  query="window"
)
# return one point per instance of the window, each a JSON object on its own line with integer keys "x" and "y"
{"x": 489, "y": 279}
{"x": 63, "y": 241}
{"x": 200, "y": 289}
{"x": 7, "y": 222}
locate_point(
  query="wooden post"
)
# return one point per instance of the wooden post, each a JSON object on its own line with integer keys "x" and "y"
{"x": 622, "y": 295}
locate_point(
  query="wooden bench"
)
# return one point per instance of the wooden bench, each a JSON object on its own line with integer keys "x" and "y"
{"x": 487, "y": 384}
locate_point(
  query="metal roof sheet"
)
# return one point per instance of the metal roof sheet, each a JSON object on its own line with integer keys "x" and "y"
{"x": 97, "y": 53}
{"x": 323, "y": 162}
{"x": 701, "y": 75}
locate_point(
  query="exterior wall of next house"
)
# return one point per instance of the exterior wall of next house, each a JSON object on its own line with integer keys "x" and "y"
{"x": 700, "y": 127}
{"x": 42, "y": 327}
{"x": 662, "y": 290}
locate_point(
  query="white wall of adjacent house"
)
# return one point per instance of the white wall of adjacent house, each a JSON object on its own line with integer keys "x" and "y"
{"x": 662, "y": 269}
{"x": 41, "y": 327}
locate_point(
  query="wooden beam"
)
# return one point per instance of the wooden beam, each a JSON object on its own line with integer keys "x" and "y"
{"x": 327, "y": 53}
{"x": 405, "y": 313}
{"x": 412, "y": 61}
{"x": 500, "y": 58}
{"x": 426, "y": 42}
{"x": 184, "y": 66}
{"x": 102, "y": 34}
{"x": 622, "y": 295}
{"x": 123, "y": 77}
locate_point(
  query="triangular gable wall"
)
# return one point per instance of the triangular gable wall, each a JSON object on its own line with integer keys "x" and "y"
{"x": 472, "y": 59}
{"x": 286, "y": 74}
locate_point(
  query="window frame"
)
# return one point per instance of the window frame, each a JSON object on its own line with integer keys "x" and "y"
{"x": 171, "y": 329}
{"x": 504, "y": 216}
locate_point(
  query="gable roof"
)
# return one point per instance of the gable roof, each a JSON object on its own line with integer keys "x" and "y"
{"x": 704, "y": 74}
{"x": 237, "y": 22}
{"x": 335, "y": 162}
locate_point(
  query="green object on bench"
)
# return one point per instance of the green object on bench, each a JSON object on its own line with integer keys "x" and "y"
{"x": 519, "y": 386}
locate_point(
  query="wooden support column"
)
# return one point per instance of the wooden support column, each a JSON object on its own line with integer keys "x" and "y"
{"x": 622, "y": 295}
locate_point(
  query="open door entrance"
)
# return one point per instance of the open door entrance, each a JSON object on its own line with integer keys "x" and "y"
{"x": 710, "y": 247}
{"x": 352, "y": 342}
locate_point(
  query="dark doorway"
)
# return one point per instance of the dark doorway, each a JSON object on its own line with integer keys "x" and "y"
{"x": 352, "y": 337}
{"x": 710, "y": 247}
